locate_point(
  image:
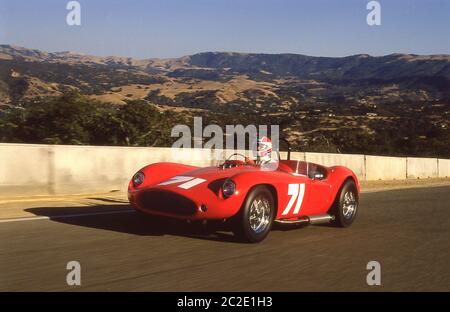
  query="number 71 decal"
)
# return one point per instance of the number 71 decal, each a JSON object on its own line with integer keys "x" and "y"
{"x": 297, "y": 192}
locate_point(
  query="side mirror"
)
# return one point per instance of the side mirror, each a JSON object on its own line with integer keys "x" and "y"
{"x": 318, "y": 176}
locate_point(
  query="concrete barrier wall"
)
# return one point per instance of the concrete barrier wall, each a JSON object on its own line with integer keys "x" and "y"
{"x": 354, "y": 162}
{"x": 24, "y": 169}
{"x": 48, "y": 169}
{"x": 27, "y": 169}
{"x": 294, "y": 156}
{"x": 385, "y": 168}
{"x": 110, "y": 168}
{"x": 421, "y": 168}
{"x": 444, "y": 168}
{"x": 96, "y": 169}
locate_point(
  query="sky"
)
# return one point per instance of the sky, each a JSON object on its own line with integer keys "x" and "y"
{"x": 173, "y": 28}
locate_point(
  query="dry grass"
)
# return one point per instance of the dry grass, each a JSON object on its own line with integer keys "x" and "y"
{"x": 38, "y": 87}
{"x": 226, "y": 91}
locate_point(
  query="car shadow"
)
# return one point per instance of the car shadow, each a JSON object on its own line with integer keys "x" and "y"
{"x": 121, "y": 218}
{"x": 109, "y": 200}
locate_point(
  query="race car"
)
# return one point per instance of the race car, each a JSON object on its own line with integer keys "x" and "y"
{"x": 247, "y": 195}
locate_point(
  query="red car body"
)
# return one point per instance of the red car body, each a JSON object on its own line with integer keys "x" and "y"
{"x": 185, "y": 192}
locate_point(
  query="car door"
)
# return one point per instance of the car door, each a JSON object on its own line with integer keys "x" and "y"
{"x": 320, "y": 199}
{"x": 293, "y": 197}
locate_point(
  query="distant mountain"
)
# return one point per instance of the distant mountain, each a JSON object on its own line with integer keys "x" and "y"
{"x": 212, "y": 79}
{"x": 10, "y": 52}
{"x": 360, "y": 66}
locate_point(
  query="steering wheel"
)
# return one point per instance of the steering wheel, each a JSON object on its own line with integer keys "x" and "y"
{"x": 237, "y": 154}
{"x": 230, "y": 163}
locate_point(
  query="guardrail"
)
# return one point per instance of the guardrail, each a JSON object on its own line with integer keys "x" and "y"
{"x": 28, "y": 169}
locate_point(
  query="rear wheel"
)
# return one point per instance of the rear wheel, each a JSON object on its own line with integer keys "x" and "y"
{"x": 254, "y": 221}
{"x": 345, "y": 205}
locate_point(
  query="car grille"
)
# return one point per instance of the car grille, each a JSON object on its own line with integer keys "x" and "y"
{"x": 167, "y": 202}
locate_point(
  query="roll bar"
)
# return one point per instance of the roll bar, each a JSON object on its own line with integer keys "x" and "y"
{"x": 288, "y": 146}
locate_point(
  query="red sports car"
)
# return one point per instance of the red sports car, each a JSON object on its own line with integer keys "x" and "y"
{"x": 246, "y": 195}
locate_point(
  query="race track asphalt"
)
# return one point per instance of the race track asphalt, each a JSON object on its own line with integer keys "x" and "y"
{"x": 407, "y": 231}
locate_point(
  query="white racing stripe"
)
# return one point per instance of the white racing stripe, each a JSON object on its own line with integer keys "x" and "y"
{"x": 191, "y": 183}
{"x": 65, "y": 216}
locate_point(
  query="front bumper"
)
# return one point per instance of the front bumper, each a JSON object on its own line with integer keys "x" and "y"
{"x": 155, "y": 201}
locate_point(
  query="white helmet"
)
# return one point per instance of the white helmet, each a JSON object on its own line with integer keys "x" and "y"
{"x": 263, "y": 149}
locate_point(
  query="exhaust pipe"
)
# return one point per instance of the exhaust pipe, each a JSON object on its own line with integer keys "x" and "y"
{"x": 317, "y": 219}
{"x": 298, "y": 221}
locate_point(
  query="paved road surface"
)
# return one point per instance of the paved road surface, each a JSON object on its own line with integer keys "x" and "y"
{"x": 407, "y": 231}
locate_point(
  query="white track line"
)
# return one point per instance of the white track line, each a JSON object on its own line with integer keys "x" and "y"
{"x": 65, "y": 216}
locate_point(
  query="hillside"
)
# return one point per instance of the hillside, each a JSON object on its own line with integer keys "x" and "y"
{"x": 179, "y": 82}
{"x": 398, "y": 102}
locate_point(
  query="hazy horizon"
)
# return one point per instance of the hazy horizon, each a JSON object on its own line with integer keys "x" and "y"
{"x": 200, "y": 52}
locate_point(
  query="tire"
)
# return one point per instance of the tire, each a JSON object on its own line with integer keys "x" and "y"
{"x": 254, "y": 220}
{"x": 346, "y": 204}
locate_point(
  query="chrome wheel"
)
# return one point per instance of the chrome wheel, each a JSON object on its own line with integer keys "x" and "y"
{"x": 349, "y": 206}
{"x": 259, "y": 214}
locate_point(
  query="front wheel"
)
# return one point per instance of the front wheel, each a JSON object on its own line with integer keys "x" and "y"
{"x": 254, "y": 221}
{"x": 345, "y": 205}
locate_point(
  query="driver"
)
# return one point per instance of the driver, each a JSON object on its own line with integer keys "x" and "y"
{"x": 262, "y": 155}
{"x": 263, "y": 151}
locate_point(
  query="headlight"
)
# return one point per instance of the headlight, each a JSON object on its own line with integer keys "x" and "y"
{"x": 138, "y": 179}
{"x": 228, "y": 188}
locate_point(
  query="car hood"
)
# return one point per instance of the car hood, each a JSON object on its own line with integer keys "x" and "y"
{"x": 194, "y": 180}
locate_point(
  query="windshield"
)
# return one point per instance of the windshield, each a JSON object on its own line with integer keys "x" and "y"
{"x": 230, "y": 158}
